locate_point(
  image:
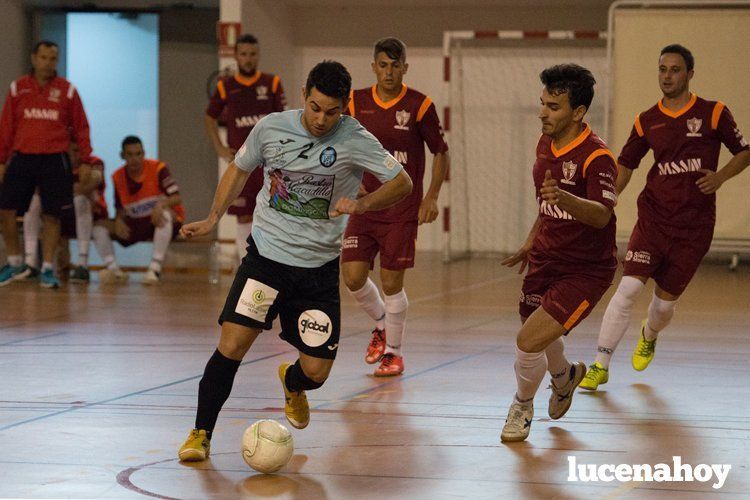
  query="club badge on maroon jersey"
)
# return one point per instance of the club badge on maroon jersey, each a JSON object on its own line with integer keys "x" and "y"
{"x": 262, "y": 92}
{"x": 402, "y": 118}
{"x": 569, "y": 170}
{"x": 54, "y": 95}
{"x": 694, "y": 125}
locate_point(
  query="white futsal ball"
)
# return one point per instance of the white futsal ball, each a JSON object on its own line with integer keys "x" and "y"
{"x": 267, "y": 446}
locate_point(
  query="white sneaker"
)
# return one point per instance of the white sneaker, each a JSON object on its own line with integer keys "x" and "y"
{"x": 151, "y": 278}
{"x": 560, "y": 399}
{"x": 518, "y": 423}
{"x": 113, "y": 276}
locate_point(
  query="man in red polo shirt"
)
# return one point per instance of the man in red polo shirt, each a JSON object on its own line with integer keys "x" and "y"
{"x": 242, "y": 100}
{"x": 41, "y": 115}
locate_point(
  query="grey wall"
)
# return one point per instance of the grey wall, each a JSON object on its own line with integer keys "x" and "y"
{"x": 14, "y": 42}
{"x": 187, "y": 56}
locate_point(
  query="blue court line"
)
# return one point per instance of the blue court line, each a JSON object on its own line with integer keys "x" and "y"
{"x": 143, "y": 391}
{"x": 34, "y": 338}
{"x": 404, "y": 377}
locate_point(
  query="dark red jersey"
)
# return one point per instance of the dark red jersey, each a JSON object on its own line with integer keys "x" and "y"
{"x": 246, "y": 100}
{"x": 683, "y": 142}
{"x": 587, "y": 169}
{"x": 43, "y": 120}
{"x": 403, "y": 126}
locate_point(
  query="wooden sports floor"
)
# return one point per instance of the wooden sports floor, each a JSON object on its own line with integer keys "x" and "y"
{"x": 99, "y": 386}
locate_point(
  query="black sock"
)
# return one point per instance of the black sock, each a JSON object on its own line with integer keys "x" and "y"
{"x": 214, "y": 390}
{"x": 296, "y": 380}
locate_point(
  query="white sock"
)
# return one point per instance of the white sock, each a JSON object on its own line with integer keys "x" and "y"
{"x": 617, "y": 318}
{"x": 47, "y": 266}
{"x": 240, "y": 239}
{"x": 368, "y": 298}
{"x": 32, "y": 227}
{"x": 104, "y": 246}
{"x": 162, "y": 238}
{"x": 660, "y": 313}
{"x": 84, "y": 225}
{"x": 557, "y": 364}
{"x": 15, "y": 260}
{"x": 395, "y": 321}
{"x": 530, "y": 368}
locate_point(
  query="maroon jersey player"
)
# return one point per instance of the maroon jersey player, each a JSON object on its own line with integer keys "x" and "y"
{"x": 403, "y": 120}
{"x": 570, "y": 250}
{"x": 242, "y": 100}
{"x": 676, "y": 209}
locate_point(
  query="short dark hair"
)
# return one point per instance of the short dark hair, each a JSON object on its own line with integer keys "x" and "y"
{"x": 576, "y": 80}
{"x": 245, "y": 38}
{"x": 676, "y": 48}
{"x": 43, "y": 43}
{"x": 393, "y": 47}
{"x": 331, "y": 78}
{"x": 131, "y": 139}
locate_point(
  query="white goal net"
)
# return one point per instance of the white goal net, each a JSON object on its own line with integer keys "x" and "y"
{"x": 494, "y": 94}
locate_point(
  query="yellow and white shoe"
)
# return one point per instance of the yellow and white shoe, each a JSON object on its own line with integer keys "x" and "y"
{"x": 644, "y": 350}
{"x": 296, "y": 408}
{"x": 596, "y": 376}
{"x": 196, "y": 448}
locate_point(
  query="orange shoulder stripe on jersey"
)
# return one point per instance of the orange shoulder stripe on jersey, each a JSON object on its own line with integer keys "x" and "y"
{"x": 596, "y": 154}
{"x": 275, "y": 84}
{"x": 638, "y": 126}
{"x": 351, "y": 103}
{"x": 222, "y": 90}
{"x": 716, "y": 114}
{"x": 423, "y": 108}
{"x": 576, "y": 314}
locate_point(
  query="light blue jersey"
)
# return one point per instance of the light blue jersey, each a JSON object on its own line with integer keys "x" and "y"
{"x": 303, "y": 178}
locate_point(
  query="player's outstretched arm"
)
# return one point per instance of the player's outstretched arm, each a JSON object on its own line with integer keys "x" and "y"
{"x": 212, "y": 130}
{"x": 229, "y": 188}
{"x": 623, "y": 178}
{"x": 712, "y": 181}
{"x": 522, "y": 254}
{"x": 428, "y": 209}
{"x": 388, "y": 194}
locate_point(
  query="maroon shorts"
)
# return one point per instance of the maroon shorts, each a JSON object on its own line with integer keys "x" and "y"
{"x": 245, "y": 202}
{"x": 142, "y": 229}
{"x": 668, "y": 255}
{"x": 396, "y": 242}
{"x": 567, "y": 297}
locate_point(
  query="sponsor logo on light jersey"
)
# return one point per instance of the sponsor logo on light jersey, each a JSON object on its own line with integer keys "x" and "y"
{"x": 41, "y": 114}
{"x": 247, "y": 121}
{"x": 674, "y": 167}
{"x": 554, "y": 211}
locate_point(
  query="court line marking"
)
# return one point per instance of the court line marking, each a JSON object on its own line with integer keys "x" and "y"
{"x": 143, "y": 391}
{"x": 18, "y": 341}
